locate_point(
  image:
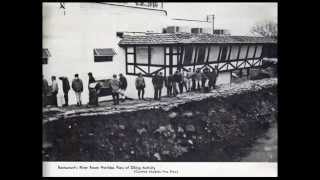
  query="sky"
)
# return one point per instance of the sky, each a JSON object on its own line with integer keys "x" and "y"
{"x": 236, "y": 17}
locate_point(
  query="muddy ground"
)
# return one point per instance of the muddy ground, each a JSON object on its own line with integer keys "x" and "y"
{"x": 217, "y": 129}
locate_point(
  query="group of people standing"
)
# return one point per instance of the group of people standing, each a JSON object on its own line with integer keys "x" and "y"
{"x": 187, "y": 79}
{"x": 49, "y": 93}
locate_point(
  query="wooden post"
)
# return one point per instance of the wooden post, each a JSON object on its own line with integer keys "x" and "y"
{"x": 246, "y": 58}
{"x": 149, "y": 58}
{"x": 165, "y": 61}
{"x": 220, "y": 49}
{"x": 134, "y": 59}
{"x": 238, "y": 56}
{"x": 126, "y": 50}
{"x": 181, "y": 55}
{"x": 170, "y": 60}
{"x": 208, "y": 54}
{"x": 228, "y": 59}
{"x": 195, "y": 57}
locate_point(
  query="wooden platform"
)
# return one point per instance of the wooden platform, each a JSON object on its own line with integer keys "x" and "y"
{"x": 105, "y": 108}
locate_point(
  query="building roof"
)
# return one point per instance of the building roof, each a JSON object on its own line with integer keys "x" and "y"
{"x": 189, "y": 38}
{"x": 104, "y": 52}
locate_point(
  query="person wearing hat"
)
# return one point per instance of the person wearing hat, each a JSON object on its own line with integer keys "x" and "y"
{"x": 65, "y": 88}
{"x": 140, "y": 85}
{"x": 115, "y": 85}
{"x": 77, "y": 86}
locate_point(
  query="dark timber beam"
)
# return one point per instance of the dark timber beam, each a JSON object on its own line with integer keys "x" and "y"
{"x": 170, "y": 60}
{"x": 134, "y": 59}
{"x": 238, "y": 56}
{"x": 165, "y": 60}
{"x": 220, "y": 49}
{"x": 208, "y": 54}
{"x": 247, "y": 53}
{"x": 195, "y": 58}
{"x": 126, "y": 50}
{"x": 229, "y": 55}
{"x": 149, "y": 58}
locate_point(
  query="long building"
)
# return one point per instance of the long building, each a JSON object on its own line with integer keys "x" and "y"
{"x": 128, "y": 38}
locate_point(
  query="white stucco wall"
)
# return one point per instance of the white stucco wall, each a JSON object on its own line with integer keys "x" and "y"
{"x": 72, "y": 37}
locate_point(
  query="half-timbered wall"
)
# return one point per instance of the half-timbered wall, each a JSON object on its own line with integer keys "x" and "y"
{"x": 149, "y": 60}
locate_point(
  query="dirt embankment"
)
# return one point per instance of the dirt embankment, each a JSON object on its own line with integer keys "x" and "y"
{"x": 213, "y": 129}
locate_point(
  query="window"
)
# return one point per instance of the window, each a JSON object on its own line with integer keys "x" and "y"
{"x": 243, "y": 51}
{"x": 234, "y": 52}
{"x": 201, "y": 54}
{"x": 157, "y": 56}
{"x": 214, "y": 53}
{"x": 103, "y": 55}
{"x": 258, "y": 51}
{"x": 251, "y": 51}
{"x": 142, "y": 55}
{"x": 45, "y": 56}
{"x": 188, "y": 50}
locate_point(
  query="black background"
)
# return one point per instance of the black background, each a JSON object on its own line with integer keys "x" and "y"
{"x": 22, "y": 69}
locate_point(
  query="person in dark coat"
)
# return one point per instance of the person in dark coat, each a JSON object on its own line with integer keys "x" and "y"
{"x": 169, "y": 84}
{"x": 65, "y": 88}
{"x": 140, "y": 85}
{"x": 94, "y": 88}
{"x": 209, "y": 78}
{"x": 215, "y": 74}
{"x": 204, "y": 78}
{"x": 211, "y": 75}
{"x": 176, "y": 80}
{"x": 77, "y": 86}
{"x": 157, "y": 82}
{"x": 91, "y": 78}
{"x": 115, "y": 85}
{"x": 45, "y": 91}
{"x": 123, "y": 86}
{"x": 180, "y": 81}
{"x": 193, "y": 78}
{"x": 54, "y": 91}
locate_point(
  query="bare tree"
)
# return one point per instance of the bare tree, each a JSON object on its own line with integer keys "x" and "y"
{"x": 266, "y": 29}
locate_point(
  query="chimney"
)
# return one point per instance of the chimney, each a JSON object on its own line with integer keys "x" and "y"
{"x": 210, "y": 18}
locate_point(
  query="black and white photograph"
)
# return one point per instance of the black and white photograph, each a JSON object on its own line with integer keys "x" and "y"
{"x": 159, "y": 83}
